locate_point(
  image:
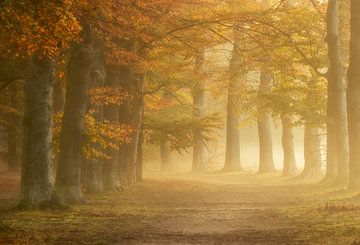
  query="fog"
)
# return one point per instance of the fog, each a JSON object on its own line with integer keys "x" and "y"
{"x": 180, "y": 122}
{"x": 249, "y": 152}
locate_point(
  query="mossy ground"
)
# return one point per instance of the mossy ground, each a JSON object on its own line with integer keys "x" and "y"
{"x": 240, "y": 208}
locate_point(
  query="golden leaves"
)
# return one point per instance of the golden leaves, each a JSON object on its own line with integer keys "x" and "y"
{"x": 42, "y": 27}
{"x": 107, "y": 96}
{"x": 97, "y": 136}
{"x": 100, "y": 136}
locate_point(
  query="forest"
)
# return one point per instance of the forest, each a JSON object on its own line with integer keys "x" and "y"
{"x": 180, "y": 122}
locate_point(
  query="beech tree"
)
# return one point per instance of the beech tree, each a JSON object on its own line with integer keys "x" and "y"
{"x": 91, "y": 170}
{"x": 200, "y": 155}
{"x": 266, "y": 159}
{"x": 68, "y": 177}
{"x": 232, "y": 151}
{"x": 289, "y": 162}
{"x": 352, "y": 96}
{"x": 38, "y": 31}
{"x": 337, "y": 141}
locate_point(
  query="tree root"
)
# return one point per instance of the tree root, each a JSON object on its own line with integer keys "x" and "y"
{"x": 53, "y": 204}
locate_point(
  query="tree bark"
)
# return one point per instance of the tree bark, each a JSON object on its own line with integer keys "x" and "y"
{"x": 331, "y": 154}
{"x": 312, "y": 152}
{"x": 92, "y": 169}
{"x": 58, "y": 106}
{"x": 232, "y": 151}
{"x": 124, "y": 161}
{"x": 266, "y": 164}
{"x": 139, "y": 157}
{"x": 337, "y": 140}
{"x": 91, "y": 176}
{"x": 353, "y": 97}
{"x": 59, "y": 96}
{"x": 68, "y": 179}
{"x": 139, "y": 163}
{"x": 131, "y": 113}
{"x": 266, "y": 159}
{"x": 200, "y": 161}
{"x": 111, "y": 114}
{"x": 290, "y": 167}
{"x": 137, "y": 120}
{"x": 37, "y": 188}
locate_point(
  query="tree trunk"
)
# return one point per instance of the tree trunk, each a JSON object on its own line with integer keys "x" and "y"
{"x": 331, "y": 152}
{"x": 165, "y": 144}
{"x": 37, "y": 188}
{"x": 165, "y": 156}
{"x": 353, "y": 97}
{"x": 133, "y": 154}
{"x": 58, "y": 106}
{"x": 290, "y": 168}
{"x": 312, "y": 152}
{"x": 68, "y": 178}
{"x": 92, "y": 169}
{"x": 91, "y": 176}
{"x": 131, "y": 113}
{"x": 139, "y": 165}
{"x": 200, "y": 161}
{"x": 337, "y": 140}
{"x": 266, "y": 164}
{"x": 124, "y": 161}
{"x": 232, "y": 152}
{"x": 111, "y": 114}
{"x": 59, "y": 96}
{"x": 127, "y": 78}
{"x": 137, "y": 120}
{"x": 139, "y": 157}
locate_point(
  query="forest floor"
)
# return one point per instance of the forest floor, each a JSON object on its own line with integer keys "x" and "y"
{"x": 219, "y": 208}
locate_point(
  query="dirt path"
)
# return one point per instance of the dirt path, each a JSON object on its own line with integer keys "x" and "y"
{"x": 205, "y": 209}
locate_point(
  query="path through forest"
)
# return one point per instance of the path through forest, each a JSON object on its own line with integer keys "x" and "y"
{"x": 193, "y": 209}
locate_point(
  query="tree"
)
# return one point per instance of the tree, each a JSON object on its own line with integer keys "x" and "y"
{"x": 337, "y": 140}
{"x": 37, "y": 36}
{"x": 200, "y": 161}
{"x": 312, "y": 152}
{"x": 289, "y": 162}
{"x": 110, "y": 171}
{"x": 312, "y": 131}
{"x": 68, "y": 176}
{"x": 266, "y": 163}
{"x": 91, "y": 172}
{"x": 165, "y": 145}
{"x": 266, "y": 159}
{"x": 131, "y": 112}
{"x": 353, "y": 92}
{"x": 139, "y": 159}
{"x": 37, "y": 188}
{"x": 137, "y": 120}
{"x": 232, "y": 153}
